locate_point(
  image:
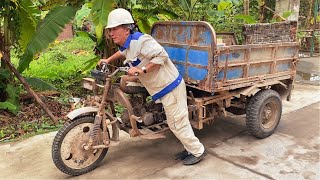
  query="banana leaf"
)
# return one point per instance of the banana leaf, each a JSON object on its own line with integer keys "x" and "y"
{"x": 50, "y": 4}
{"x": 100, "y": 10}
{"x": 47, "y": 31}
{"x": 29, "y": 19}
{"x": 40, "y": 84}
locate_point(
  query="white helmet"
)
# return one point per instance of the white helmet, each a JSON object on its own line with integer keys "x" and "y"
{"x": 118, "y": 17}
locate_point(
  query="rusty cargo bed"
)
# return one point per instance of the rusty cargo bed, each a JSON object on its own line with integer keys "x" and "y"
{"x": 223, "y": 77}
{"x": 210, "y": 67}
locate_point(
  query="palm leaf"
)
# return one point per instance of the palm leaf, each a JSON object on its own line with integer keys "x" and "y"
{"x": 40, "y": 84}
{"x": 90, "y": 63}
{"x": 50, "y": 4}
{"x": 28, "y": 14}
{"x": 9, "y": 106}
{"x": 167, "y": 13}
{"x": 47, "y": 32}
{"x": 100, "y": 10}
{"x": 82, "y": 14}
{"x": 144, "y": 25}
{"x": 86, "y": 34}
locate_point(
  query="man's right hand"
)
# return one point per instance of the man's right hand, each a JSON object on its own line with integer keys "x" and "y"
{"x": 103, "y": 61}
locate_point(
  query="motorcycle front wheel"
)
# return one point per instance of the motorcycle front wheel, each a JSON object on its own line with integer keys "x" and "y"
{"x": 68, "y": 151}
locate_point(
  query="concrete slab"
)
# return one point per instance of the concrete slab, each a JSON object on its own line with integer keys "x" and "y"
{"x": 210, "y": 168}
{"x": 291, "y": 153}
{"x": 302, "y": 95}
{"x": 308, "y": 71}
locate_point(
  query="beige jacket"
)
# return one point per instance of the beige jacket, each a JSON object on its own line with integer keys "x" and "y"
{"x": 142, "y": 49}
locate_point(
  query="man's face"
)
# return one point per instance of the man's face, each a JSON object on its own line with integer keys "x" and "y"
{"x": 119, "y": 34}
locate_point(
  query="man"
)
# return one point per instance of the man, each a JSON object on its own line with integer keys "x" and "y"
{"x": 159, "y": 76}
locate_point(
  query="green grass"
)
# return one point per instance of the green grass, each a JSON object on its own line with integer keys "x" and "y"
{"x": 61, "y": 64}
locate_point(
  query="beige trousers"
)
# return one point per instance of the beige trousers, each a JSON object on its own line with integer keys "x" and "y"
{"x": 176, "y": 109}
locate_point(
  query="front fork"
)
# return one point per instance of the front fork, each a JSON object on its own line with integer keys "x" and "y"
{"x": 100, "y": 120}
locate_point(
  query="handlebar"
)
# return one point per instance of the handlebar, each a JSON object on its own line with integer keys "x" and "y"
{"x": 104, "y": 71}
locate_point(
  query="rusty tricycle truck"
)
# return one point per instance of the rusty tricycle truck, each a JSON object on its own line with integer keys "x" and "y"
{"x": 249, "y": 79}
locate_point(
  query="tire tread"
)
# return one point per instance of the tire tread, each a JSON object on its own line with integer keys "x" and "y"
{"x": 253, "y": 111}
{"x": 56, "y": 145}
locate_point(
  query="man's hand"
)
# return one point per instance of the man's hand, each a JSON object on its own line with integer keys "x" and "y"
{"x": 134, "y": 71}
{"x": 103, "y": 61}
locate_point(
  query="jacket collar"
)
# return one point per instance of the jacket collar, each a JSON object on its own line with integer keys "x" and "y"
{"x": 134, "y": 36}
{"x": 127, "y": 43}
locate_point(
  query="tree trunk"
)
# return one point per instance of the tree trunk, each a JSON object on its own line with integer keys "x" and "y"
{"x": 261, "y": 13}
{"x": 246, "y": 7}
{"x": 28, "y": 88}
{"x": 5, "y": 48}
{"x": 310, "y": 14}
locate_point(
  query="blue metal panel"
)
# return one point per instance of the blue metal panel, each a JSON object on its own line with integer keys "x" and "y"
{"x": 176, "y": 54}
{"x": 290, "y": 51}
{"x": 231, "y": 74}
{"x": 189, "y": 46}
{"x": 235, "y": 73}
{"x": 197, "y": 73}
{"x": 283, "y": 67}
{"x": 262, "y": 69}
{"x": 285, "y": 52}
{"x": 184, "y": 36}
{"x": 220, "y": 75}
{"x": 181, "y": 69}
{"x": 236, "y": 56}
{"x": 205, "y": 38}
{"x": 198, "y": 57}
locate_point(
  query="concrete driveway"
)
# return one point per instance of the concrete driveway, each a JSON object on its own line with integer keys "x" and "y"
{"x": 292, "y": 152}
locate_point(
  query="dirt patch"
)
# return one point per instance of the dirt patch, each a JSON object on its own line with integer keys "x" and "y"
{"x": 67, "y": 33}
{"x": 252, "y": 160}
{"x": 31, "y": 119}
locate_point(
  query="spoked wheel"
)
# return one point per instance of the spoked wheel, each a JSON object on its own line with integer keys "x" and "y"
{"x": 68, "y": 151}
{"x": 264, "y": 113}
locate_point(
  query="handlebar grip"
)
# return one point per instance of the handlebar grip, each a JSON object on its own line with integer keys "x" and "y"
{"x": 104, "y": 67}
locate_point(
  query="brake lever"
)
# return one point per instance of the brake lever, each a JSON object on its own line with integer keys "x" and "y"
{"x": 126, "y": 69}
{"x": 104, "y": 68}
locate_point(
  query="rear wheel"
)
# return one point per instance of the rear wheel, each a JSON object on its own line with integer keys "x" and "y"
{"x": 68, "y": 151}
{"x": 263, "y": 113}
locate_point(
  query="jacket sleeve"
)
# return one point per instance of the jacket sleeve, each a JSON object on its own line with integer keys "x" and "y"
{"x": 152, "y": 50}
{"x": 123, "y": 53}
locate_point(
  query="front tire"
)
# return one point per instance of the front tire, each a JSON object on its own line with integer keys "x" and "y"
{"x": 68, "y": 153}
{"x": 263, "y": 113}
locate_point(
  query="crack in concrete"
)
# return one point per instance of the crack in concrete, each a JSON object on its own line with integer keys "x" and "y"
{"x": 239, "y": 165}
{"x": 232, "y": 162}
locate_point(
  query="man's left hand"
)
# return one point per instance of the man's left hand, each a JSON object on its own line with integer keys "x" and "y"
{"x": 134, "y": 71}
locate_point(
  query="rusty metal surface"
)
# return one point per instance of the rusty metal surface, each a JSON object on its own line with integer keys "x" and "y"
{"x": 192, "y": 47}
{"x": 72, "y": 152}
{"x": 245, "y": 65}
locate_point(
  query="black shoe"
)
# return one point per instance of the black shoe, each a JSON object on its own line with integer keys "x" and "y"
{"x": 191, "y": 159}
{"x": 181, "y": 155}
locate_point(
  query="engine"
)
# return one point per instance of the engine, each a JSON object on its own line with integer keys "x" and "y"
{"x": 150, "y": 113}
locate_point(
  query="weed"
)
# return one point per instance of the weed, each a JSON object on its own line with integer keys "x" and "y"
{"x": 60, "y": 65}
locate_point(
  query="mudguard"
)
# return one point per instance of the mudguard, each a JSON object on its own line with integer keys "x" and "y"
{"x": 84, "y": 110}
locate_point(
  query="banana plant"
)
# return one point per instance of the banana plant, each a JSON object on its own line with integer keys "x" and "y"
{"x": 46, "y": 32}
{"x": 146, "y": 17}
{"x": 18, "y": 21}
{"x": 22, "y": 28}
{"x": 100, "y": 10}
{"x": 187, "y": 7}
